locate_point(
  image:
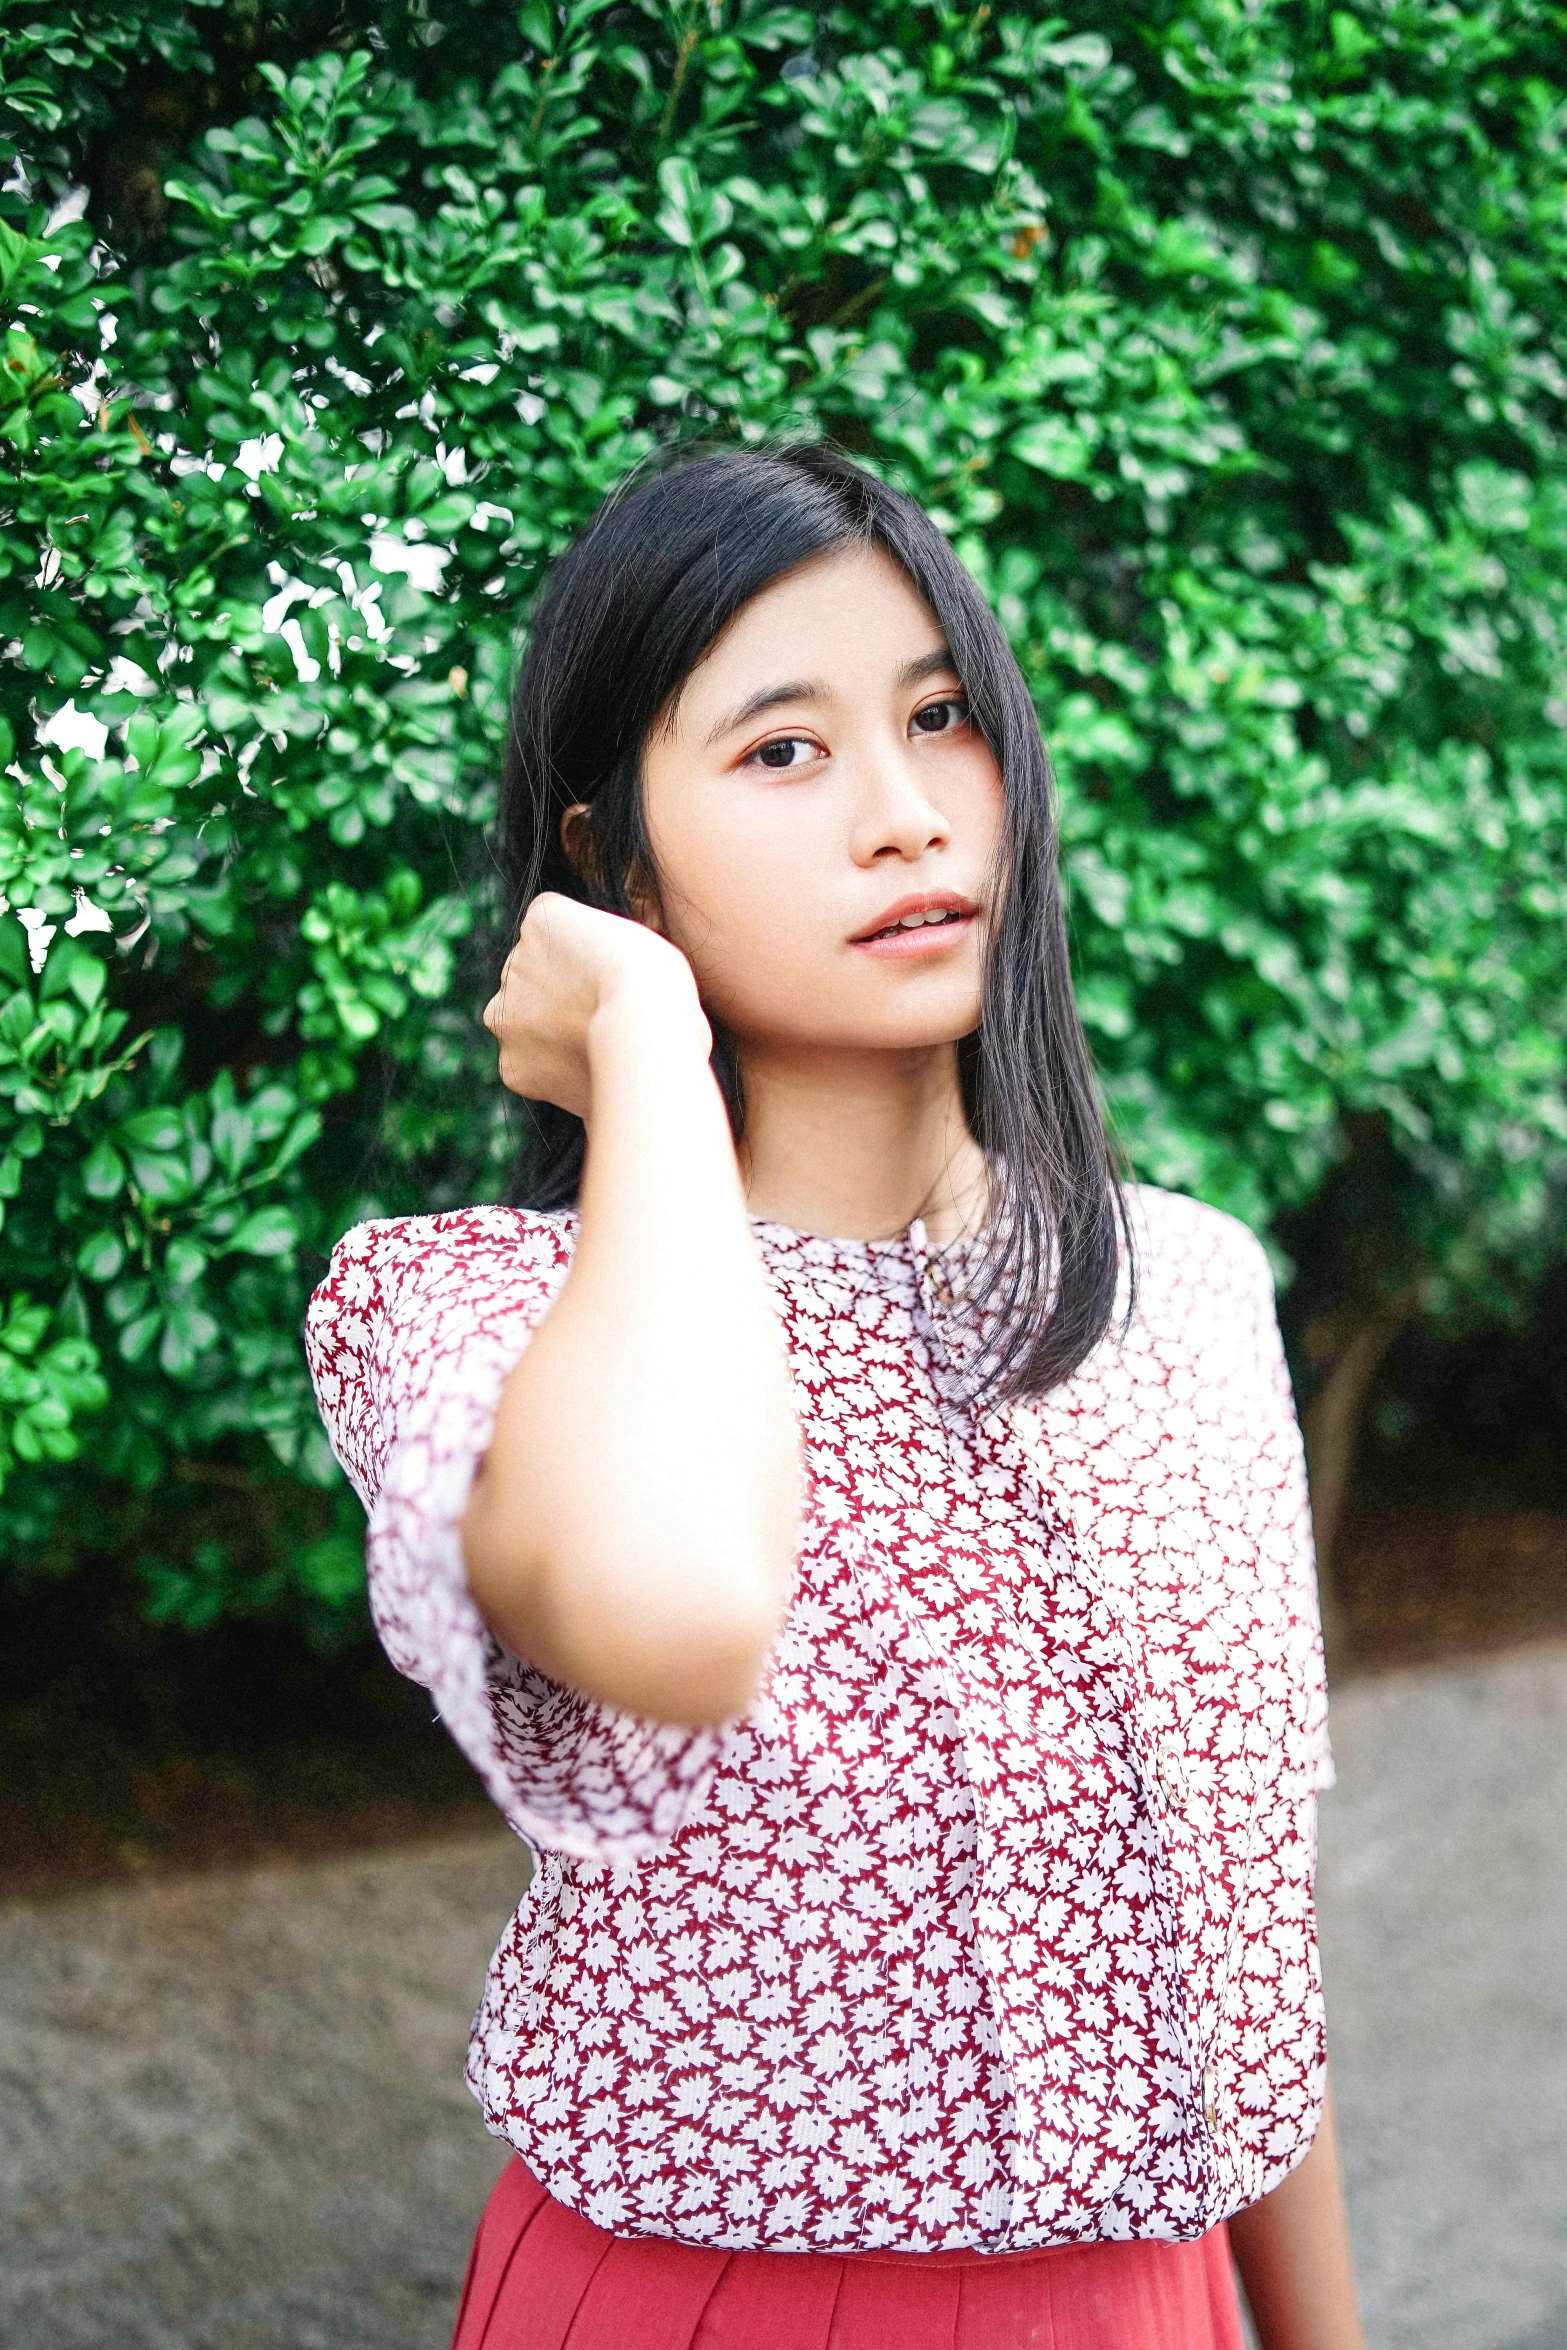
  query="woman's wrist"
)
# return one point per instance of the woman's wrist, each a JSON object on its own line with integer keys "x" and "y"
{"x": 649, "y": 1006}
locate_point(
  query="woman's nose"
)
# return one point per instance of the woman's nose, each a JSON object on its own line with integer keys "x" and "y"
{"x": 895, "y": 818}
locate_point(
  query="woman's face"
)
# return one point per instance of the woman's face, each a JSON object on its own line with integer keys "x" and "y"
{"x": 823, "y": 818}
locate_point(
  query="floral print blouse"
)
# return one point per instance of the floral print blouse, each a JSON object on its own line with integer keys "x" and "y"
{"x": 989, "y": 1925}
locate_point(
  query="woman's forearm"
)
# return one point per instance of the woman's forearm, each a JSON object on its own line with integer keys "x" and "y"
{"x": 632, "y": 1531}
{"x": 1292, "y": 2250}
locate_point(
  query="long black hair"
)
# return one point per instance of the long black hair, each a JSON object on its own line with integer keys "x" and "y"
{"x": 624, "y": 618}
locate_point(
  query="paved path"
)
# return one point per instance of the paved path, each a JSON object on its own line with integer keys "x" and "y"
{"x": 231, "y": 2111}
{"x": 1444, "y": 1917}
{"x": 231, "y": 2116}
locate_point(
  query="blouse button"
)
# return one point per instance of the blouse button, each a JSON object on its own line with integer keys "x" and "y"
{"x": 1210, "y": 2099}
{"x": 940, "y": 1286}
{"x": 1170, "y": 1771}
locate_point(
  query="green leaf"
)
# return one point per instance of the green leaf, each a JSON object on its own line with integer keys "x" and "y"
{"x": 103, "y": 1172}
{"x": 86, "y": 979}
{"x": 189, "y": 1333}
{"x": 536, "y": 23}
{"x": 1052, "y": 444}
{"x": 153, "y": 1130}
{"x": 137, "y": 1336}
{"x": 269, "y": 1232}
{"x": 184, "y": 1262}
{"x": 100, "y": 1256}
{"x": 1493, "y": 498}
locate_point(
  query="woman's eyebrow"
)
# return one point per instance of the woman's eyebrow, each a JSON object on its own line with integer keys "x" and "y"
{"x": 930, "y": 664}
{"x": 802, "y": 690}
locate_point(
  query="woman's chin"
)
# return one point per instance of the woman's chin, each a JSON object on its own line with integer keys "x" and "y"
{"x": 930, "y": 1033}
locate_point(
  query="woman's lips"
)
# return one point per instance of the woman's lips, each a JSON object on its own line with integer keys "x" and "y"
{"x": 931, "y": 938}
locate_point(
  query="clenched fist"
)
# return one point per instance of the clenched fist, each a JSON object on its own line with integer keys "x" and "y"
{"x": 570, "y": 963}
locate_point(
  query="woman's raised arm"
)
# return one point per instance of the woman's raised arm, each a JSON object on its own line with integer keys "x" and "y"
{"x": 632, "y": 1530}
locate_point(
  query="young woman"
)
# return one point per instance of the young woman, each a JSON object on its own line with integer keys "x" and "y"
{"x": 864, "y": 1552}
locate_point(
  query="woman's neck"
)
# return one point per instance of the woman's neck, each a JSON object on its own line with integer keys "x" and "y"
{"x": 858, "y": 1144}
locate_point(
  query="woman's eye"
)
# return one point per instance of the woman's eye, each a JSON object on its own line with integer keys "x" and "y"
{"x": 941, "y": 717}
{"x": 790, "y": 750}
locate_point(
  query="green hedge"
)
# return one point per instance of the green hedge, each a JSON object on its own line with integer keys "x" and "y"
{"x": 1226, "y": 342}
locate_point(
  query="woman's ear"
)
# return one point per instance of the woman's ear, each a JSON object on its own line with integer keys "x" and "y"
{"x": 578, "y": 840}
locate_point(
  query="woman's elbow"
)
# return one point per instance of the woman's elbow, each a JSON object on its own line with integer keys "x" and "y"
{"x": 696, "y": 1664}
{"x": 664, "y": 1639}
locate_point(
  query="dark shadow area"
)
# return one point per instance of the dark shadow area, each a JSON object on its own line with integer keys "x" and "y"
{"x": 1456, "y": 1536}
{"x": 1423, "y": 1585}
{"x": 128, "y": 1748}
{"x": 1478, "y": 1421}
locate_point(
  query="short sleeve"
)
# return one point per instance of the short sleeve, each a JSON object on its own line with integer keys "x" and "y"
{"x": 410, "y": 1340}
{"x": 1283, "y": 1502}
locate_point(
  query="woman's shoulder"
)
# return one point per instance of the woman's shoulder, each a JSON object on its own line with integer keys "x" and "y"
{"x": 1184, "y": 1248}
{"x": 404, "y": 1295}
{"x": 480, "y": 1257}
{"x": 456, "y": 1242}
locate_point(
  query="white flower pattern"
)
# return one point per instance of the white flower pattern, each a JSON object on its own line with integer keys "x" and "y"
{"x": 990, "y": 1925}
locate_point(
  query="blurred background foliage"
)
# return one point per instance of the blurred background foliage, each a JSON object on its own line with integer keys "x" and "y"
{"x": 1227, "y": 343}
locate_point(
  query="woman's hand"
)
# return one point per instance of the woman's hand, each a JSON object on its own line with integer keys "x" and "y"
{"x": 569, "y": 964}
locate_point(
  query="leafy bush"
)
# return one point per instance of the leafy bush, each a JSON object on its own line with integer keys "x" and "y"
{"x": 1223, "y": 342}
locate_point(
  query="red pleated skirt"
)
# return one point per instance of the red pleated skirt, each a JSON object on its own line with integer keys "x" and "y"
{"x": 543, "y": 2278}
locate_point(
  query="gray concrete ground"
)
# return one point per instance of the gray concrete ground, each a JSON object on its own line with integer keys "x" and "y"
{"x": 233, "y": 2119}
{"x": 1444, "y": 1918}
{"x": 231, "y": 2111}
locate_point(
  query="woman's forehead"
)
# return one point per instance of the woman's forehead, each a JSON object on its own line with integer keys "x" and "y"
{"x": 845, "y": 622}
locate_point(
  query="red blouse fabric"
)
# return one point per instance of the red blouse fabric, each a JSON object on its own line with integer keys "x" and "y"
{"x": 989, "y": 1926}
